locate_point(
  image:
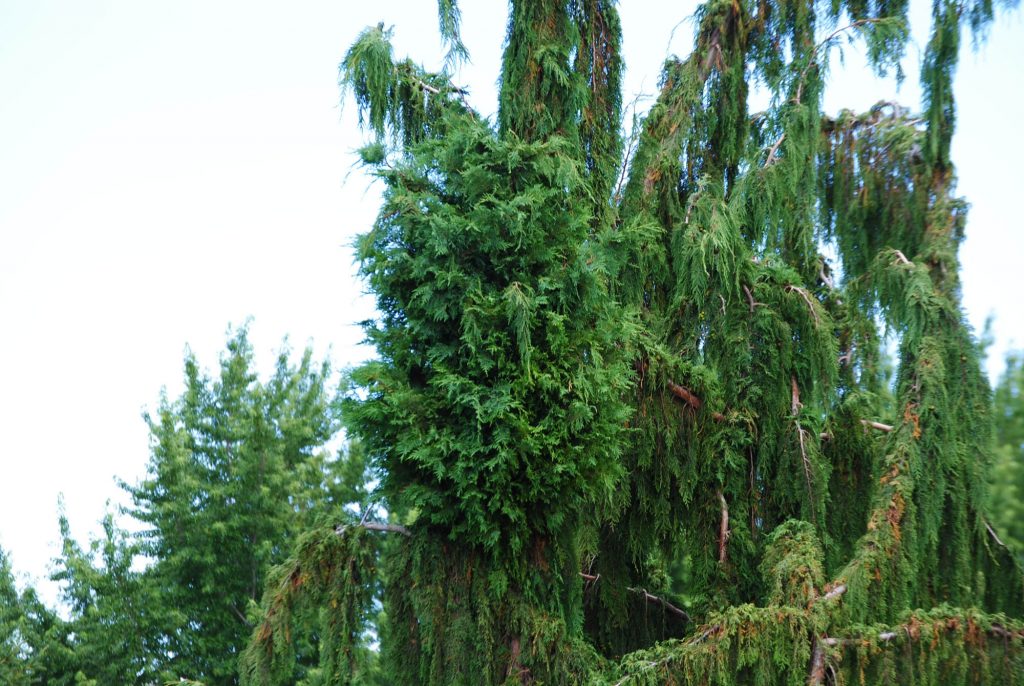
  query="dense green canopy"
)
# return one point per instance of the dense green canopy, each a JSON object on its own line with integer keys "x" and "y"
{"x": 630, "y": 415}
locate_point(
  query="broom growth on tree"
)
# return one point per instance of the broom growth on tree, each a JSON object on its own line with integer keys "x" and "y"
{"x": 631, "y": 425}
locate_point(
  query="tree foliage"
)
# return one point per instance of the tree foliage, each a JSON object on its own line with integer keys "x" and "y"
{"x": 613, "y": 364}
{"x": 1007, "y": 477}
{"x": 239, "y": 467}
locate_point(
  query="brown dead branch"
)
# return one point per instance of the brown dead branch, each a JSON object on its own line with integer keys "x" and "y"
{"x": 723, "y": 529}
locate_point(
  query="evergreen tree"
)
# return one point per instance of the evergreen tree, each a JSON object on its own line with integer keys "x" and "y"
{"x": 238, "y": 468}
{"x": 116, "y": 616}
{"x": 35, "y": 644}
{"x": 603, "y": 374}
{"x": 1007, "y": 478}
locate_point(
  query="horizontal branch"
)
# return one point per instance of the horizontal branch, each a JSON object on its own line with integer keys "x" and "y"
{"x": 691, "y": 399}
{"x": 376, "y": 526}
{"x": 694, "y": 401}
{"x": 649, "y": 597}
{"x": 879, "y": 426}
{"x": 662, "y": 602}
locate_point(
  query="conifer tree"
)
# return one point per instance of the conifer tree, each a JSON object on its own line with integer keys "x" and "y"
{"x": 631, "y": 425}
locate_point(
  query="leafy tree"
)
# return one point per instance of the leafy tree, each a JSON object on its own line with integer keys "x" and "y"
{"x": 1007, "y": 478}
{"x": 606, "y": 370}
{"x": 238, "y": 468}
{"x": 116, "y": 615}
{"x": 12, "y": 641}
{"x": 35, "y": 644}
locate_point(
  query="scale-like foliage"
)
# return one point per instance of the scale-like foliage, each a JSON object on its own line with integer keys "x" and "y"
{"x": 604, "y": 394}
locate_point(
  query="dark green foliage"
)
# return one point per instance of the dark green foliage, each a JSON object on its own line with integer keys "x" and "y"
{"x": 497, "y": 394}
{"x": 610, "y": 388}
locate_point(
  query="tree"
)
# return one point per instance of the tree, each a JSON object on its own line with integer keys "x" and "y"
{"x": 1007, "y": 478}
{"x": 35, "y": 644}
{"x": 606, "y": 370}
{"x": 238, "y": 468}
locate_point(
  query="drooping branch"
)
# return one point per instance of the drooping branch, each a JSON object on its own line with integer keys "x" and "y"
{"x": 807, "y": 299}
{"x": 824, "y": 43}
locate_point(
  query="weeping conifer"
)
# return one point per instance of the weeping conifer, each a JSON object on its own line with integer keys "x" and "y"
{"x": 635, "y": 425}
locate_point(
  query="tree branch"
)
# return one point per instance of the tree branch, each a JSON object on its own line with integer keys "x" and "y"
{"x": 662, "y": 602}
{"x": 723, "y": 529}
{"x": 770, "y": 160}
{"x": 807, "y": 299}
{"x": 376, "y": 526}
{"x": 817, "y": 674}
{"x": 649, "y": 597}
{"x": 688, "y": 397}
{"x": 992, "y": 532}
{"x": 241, "y": 616}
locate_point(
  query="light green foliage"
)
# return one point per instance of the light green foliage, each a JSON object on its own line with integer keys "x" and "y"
{"x": 116, "y": 616}
{"x": 1007, "y": 476}
{"x": 14, "y": 652}
{"x": 238, "y": 467}
{"x": 597, "y": 401}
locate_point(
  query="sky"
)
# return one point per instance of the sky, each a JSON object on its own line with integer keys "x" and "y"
{"x": 168, "y": 169}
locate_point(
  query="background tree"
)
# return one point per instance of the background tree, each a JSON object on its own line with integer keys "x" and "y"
{"x": 828, "y": 530}
{"x": 116, "y": 615}
{"x": 35, "y": 643}
{"x": 1007, "y": 478}
{"x": 237, "y": 467}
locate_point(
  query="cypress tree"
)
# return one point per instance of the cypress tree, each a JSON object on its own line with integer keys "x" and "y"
{"x": 631, "y": 425}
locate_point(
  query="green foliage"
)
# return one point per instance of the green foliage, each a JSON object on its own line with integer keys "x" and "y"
{"x": 334, "y": 571}
{"x": 35, "y": 644}
{"x": 1007, "y": 476}
{"x": 116, "y": 616}
{"x": 676, "y": 384}
{"x": 498, "y": 394}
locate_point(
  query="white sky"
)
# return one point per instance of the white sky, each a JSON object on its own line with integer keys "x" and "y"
{"x": 168, "y": 168}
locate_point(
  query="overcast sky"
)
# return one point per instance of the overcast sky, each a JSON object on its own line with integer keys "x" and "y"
{"x": 168, "y": 168}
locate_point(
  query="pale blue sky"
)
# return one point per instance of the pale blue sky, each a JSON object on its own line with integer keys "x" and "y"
{"x": 169, "y": 167}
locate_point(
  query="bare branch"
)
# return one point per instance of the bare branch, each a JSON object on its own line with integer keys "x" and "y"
{"x": 685, "y": 394}
{"x": 662, "y": 602}
{"x": 808, "y": 475}
{"x": 723, "y": 529}
{"x": 241, "y": 616}
{"x": 992, "y": 532}
{"x": 807, "y": 299}
{"x": 901, "y": 258}
{"x": 817, "y": 674}
{"x": 835, "y": 592}
{"x": 376, "y": 526}
{"x": 828, "y": 39}
{"x": 750, "y": 299}
{"x": 876, "y": 425}
{"x": 649, "y": 597}
{"x": 770, "y": 160}
{"x": 688, "y": 397}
